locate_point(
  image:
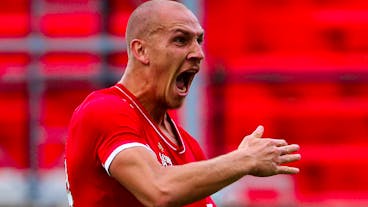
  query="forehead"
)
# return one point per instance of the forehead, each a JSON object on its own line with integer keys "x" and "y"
{"x": 180, "y": 19}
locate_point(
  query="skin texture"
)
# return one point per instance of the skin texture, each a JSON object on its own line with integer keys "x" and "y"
{"x": 161, "y": 48}
{"x": 163, "y": 52}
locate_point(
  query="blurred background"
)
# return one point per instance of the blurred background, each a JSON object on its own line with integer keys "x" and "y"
{"x": 300, "y": 68}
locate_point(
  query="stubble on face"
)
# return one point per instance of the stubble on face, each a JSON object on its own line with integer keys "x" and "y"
{"x": 166, "y": 59}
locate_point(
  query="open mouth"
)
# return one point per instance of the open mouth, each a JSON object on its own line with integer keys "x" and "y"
{"x": 184, "y": 80}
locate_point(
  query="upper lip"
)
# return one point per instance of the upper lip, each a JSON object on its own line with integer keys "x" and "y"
{"x": 192, "y": 69}
{"x": 188, "y": 75}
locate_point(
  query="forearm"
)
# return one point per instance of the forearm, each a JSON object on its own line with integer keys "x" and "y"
{"x": 139, "y": 171}
{"x": 190, "y": 182}
{"x": 156, "y": 185}
{"x": 258, "y": 157}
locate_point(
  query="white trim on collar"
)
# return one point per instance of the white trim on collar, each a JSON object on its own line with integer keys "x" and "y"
{"x": 153, "y": 125}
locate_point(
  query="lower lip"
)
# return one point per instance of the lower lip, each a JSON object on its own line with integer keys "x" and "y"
{"x": 181, "y": 93}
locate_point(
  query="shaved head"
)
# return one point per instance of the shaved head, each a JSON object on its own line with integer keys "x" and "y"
{"x": 148, "y": 18}
{"x": 164, "y": 53}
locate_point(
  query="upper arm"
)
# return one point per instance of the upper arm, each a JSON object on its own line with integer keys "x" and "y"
{"x": 136, "y": 169}
{"x": 139, "y": 171}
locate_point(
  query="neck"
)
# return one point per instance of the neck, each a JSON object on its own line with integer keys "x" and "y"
{"x": 142, "y": 91}
{"x": 146, "y": 98}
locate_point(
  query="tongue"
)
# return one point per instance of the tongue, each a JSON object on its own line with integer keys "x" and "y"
{"x": 180, "y": 84}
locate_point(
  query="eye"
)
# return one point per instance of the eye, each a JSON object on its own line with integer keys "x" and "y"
{"x": 181, "y": 40}
{"x": 200, "y": 40}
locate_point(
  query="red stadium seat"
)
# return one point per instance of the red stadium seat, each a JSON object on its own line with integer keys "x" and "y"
{"x": 13, "y": 70}
{"x": 330, "y": 172}
{"x": 14, "y": 145}
{"x": 315, "y": 109}
{"x": 77, "y": 24}
{"x": 69, "y": 78}
{"x": 328, "y": 121}
{"x": 18, "y": 24}
{"x": 342, "y": 29}
{"x": 13, "y": 65}
{"x": 117, "y": 62}
{"x": 255, "y": 191}
{"x": 57, "y": 106}
{"x": 299, "y": 68}
{"x": 14, "y": 108}
{"x": 70, "y": 65}
{"x": 261, "y": 27}
{"x": 337, "y": 4}
{"x": 119, "y": 12}
{"x": 326, "y": 66}
{"x": 245, "y": 107}
{"x": 289, "y": 27}
{"x": 70, "y": 1}
{"x": 117, "y": 23}
{"x": 15, "y": 14}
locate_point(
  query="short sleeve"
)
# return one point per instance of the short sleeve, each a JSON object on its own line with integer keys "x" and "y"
{"x": 118, "y": 126}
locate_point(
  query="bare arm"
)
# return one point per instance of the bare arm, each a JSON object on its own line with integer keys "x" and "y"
{"x": 154, "y": 185}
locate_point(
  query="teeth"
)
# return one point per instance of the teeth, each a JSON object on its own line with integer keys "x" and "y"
{"x": 182, "y": 82}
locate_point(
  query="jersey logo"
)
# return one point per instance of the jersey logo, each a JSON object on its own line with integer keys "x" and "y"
{"x": 160, "y": 147}
{"x": 165, "y": 160}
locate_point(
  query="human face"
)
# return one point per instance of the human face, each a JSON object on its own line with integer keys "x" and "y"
{"x": 175, "y": 53}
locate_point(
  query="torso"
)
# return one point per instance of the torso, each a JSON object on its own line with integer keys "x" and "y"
{"x": 86, "y": 153}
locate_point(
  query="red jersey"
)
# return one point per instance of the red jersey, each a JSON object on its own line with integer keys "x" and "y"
{"x": 107, "y": 122}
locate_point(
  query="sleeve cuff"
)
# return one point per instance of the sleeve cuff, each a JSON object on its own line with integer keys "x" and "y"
{"x": 113, "y": 154}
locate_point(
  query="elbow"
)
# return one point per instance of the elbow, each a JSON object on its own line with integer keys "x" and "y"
{"x": 161, "y": 202}
{"x": 164, "y": 198}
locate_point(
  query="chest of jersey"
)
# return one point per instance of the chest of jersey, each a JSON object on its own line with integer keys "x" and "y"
{"x": 168, "y": 153}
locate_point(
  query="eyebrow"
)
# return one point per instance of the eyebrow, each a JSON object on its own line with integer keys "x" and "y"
{"x": 189, "y": 33}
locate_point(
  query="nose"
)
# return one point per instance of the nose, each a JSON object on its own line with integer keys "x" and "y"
{"x": 196, "y": 52}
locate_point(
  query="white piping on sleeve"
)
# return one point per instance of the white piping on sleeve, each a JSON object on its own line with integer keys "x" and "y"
{"x": 113, "y": 154}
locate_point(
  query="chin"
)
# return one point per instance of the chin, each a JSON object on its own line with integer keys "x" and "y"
{"x": 176, "y": 104}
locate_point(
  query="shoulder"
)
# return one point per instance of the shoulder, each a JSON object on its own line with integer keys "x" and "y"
{"x": 103, "y": 101}
{"x": 103, "y": 105}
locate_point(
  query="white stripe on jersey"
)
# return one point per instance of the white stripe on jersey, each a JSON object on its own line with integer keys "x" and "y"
{"x": 121, "y": 148}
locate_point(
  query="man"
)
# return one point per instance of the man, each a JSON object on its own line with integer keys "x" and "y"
{"x": 123, "y": 149}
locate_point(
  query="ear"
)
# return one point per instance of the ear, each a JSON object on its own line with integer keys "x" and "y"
{"x": 139, "y": 51}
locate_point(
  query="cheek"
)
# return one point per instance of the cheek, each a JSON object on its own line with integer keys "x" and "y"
{"x": 164, "y": 80}
{"x": 167, "y": 62}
